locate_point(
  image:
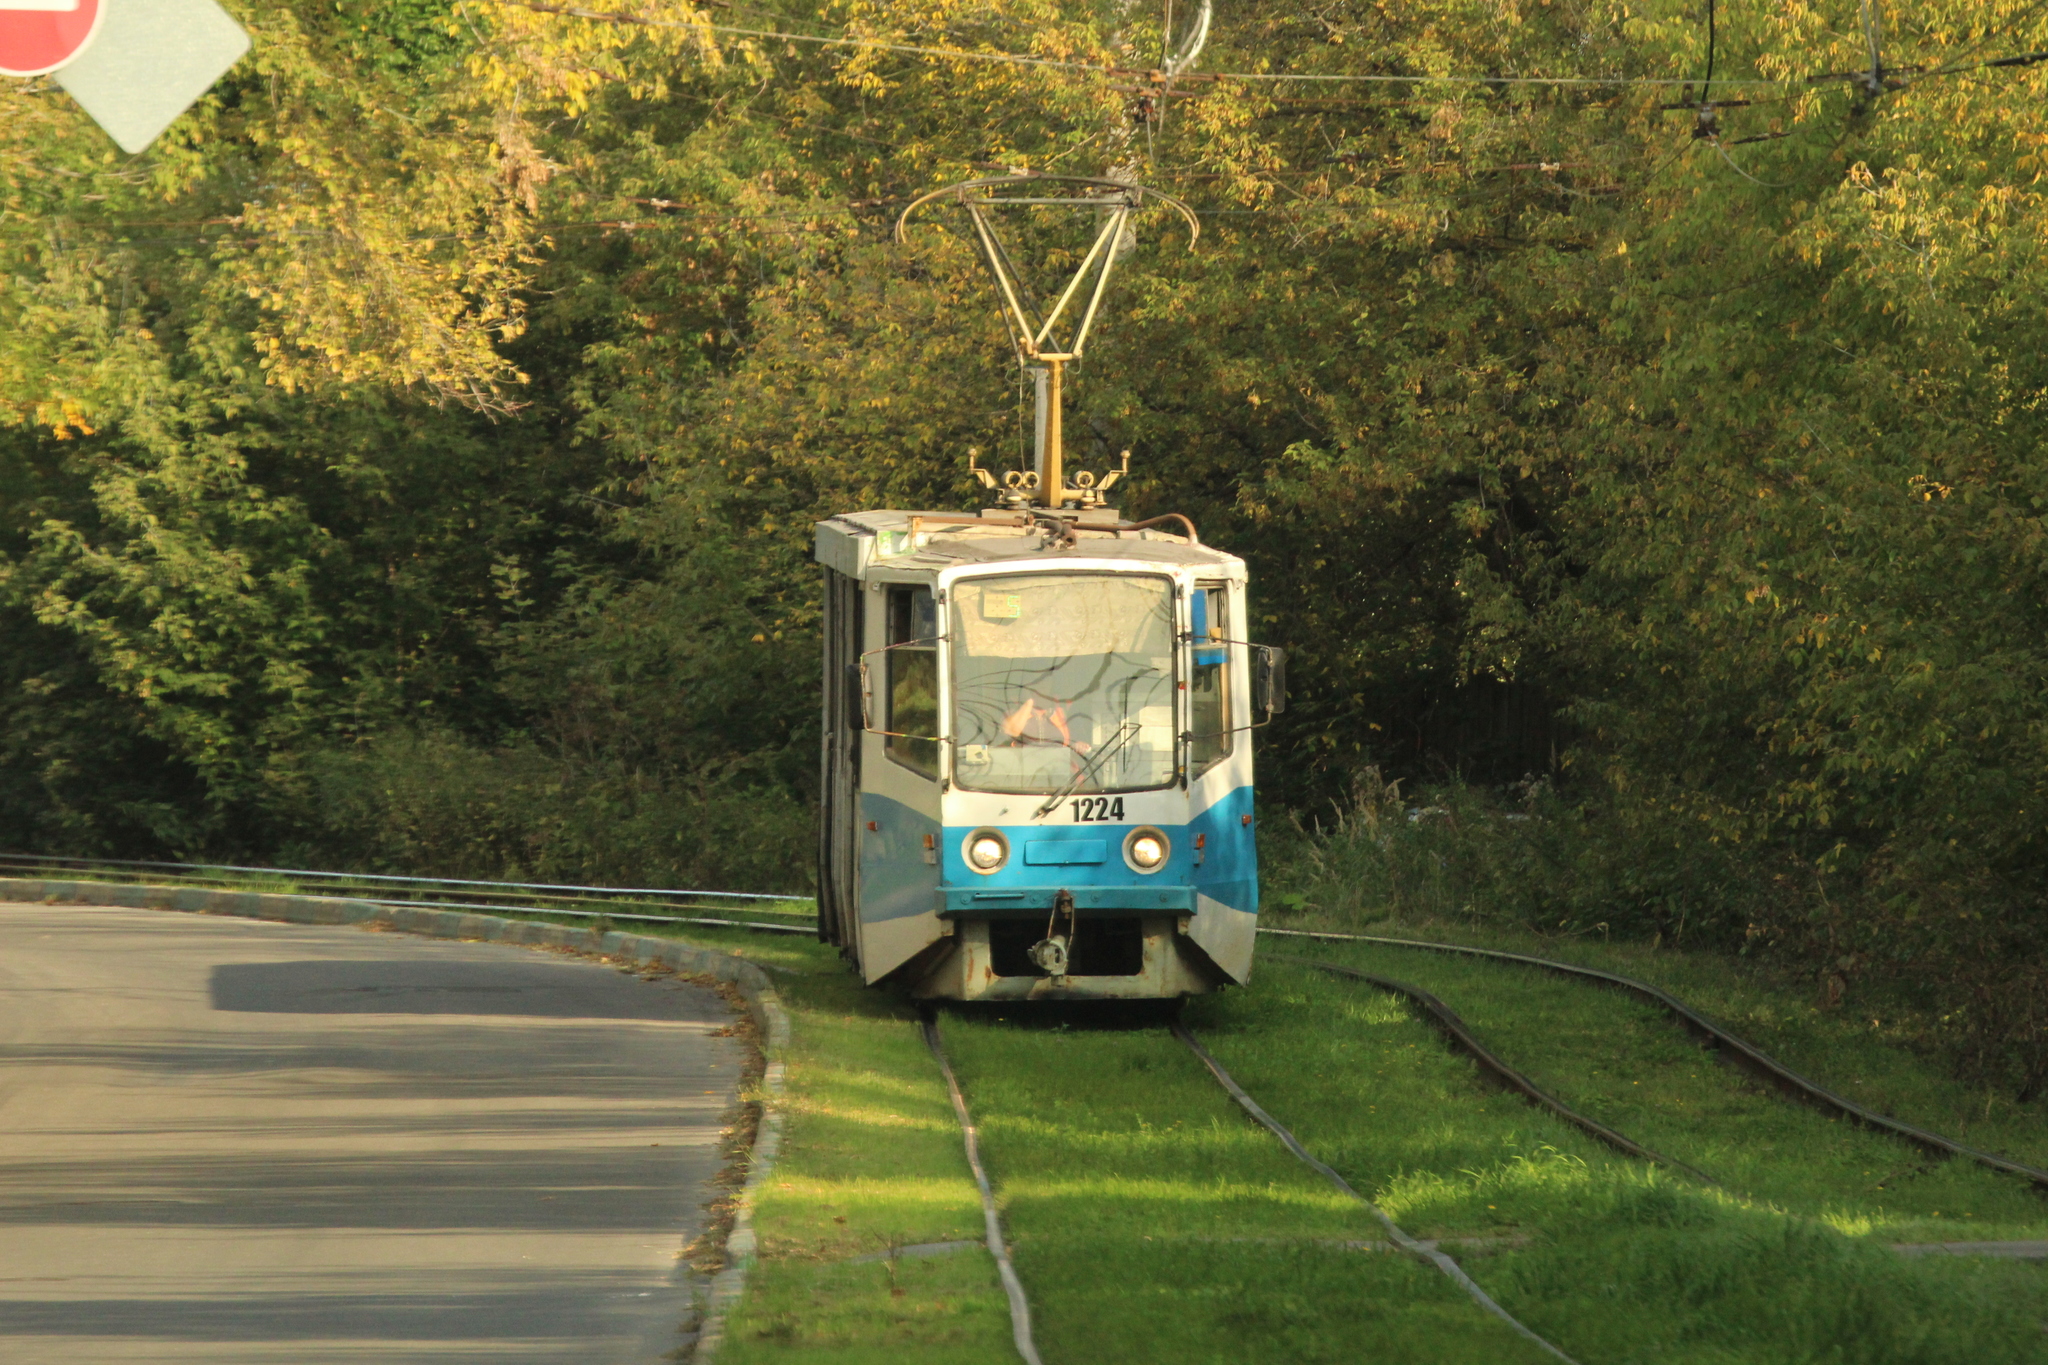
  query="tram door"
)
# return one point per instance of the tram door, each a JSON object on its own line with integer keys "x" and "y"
{"x": 839, "y": 789}
{"x": 899, "y": 779}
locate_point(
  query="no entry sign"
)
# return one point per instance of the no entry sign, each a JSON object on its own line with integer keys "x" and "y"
{"x": 37, "y": 36}
{"x": 133, "y": 65}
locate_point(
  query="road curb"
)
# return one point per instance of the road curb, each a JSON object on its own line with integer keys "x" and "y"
{"x": 763, "y": 1003}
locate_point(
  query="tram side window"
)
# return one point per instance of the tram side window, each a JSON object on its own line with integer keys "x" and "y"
{"x": 913, "y": 720}
{"x": 1209, "y": 679}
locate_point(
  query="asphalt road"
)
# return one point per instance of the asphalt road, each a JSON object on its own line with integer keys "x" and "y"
{"x": 229, "y": 1141}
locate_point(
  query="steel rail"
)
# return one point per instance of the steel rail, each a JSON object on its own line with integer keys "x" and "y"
{"x": 1394, "y": 1232}
{"x": 1451, "y": 1025}
{"x": 992, "y": 1222}
{"x": 1744, "y": 1053}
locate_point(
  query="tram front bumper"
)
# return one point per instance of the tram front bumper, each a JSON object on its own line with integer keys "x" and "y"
{"x": 994, "y": 902}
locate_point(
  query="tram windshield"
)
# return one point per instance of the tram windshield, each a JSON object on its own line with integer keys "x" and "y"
{"x": 1063, "y": 681}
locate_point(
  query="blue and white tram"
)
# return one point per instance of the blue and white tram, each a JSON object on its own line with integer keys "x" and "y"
{"x": 1037, "y": 757}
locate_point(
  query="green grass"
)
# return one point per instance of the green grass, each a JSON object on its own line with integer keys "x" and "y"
{"x": 1628, "y": 1064}
{"x": 1152, "y": 1222}
{"x": 1622, "y": 1262}
{"x": 871, "y": 1162}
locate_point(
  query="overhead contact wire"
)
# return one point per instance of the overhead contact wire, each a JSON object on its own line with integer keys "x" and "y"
{"x": 1394, "y": 1232}
{"x": 1338, "y": 77}
{"x": 1020, "y": 1307}
{"x": 1747, "y": 1053}
{"x": 1067, "y": 64}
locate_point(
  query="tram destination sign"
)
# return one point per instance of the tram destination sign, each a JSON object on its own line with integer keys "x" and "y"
{"x": 133, "y": 65}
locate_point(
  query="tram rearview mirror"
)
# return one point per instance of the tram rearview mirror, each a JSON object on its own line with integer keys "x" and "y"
{"x": 857, "y": 695}
{"x": 1269, "y": 679}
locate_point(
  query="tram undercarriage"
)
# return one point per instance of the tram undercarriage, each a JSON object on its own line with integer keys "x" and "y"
{"x": 1110, "y": 957}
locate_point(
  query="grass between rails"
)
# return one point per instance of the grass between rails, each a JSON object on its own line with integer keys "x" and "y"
{"x": 871, "y": 1164}
{"x": 1151, "y": 1221}
{"x": 1628, "y": 1064}
{"x": 1622, "y": 1262}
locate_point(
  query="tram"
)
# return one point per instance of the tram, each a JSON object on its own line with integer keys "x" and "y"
{"x": 1037, "y": 758}
{"x": 1037, "y": 767}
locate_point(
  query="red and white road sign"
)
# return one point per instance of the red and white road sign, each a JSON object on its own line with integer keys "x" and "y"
{"x": 38, "y": 36}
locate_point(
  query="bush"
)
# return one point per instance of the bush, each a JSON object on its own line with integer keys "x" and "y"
{"x": 1966, "y": 958}
{"x": 1523, "y": 856}
{"x": 428, "y": 803}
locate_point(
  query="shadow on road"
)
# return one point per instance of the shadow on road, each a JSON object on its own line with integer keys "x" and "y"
{"x": 537, "y": 990}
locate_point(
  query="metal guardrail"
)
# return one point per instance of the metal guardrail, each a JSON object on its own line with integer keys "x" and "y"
{"x": 649, "y": 905}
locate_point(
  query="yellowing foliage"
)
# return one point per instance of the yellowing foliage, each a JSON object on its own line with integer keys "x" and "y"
{"x": 1711, "y": 434}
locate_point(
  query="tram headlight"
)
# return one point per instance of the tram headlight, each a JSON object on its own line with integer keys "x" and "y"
{"x": 986, "y": 850}
{"x": 1146, "y": 849}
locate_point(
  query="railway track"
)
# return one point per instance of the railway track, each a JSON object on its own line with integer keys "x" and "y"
{"x": 1430, "y": 1253}
{"x": 1726, "y": 1044}
{"x": 1463, "y": 1037}
{"x": 1409, "y": 1245}
{"x": 775, "y": 914}
{"x": 778, "y": 914}
{"x": 1447, "y": 1022}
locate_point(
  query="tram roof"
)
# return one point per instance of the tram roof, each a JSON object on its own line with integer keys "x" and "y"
{"x": 857, "y": 542}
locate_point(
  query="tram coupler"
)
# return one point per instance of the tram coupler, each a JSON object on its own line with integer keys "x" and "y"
{"x": 1051, "y": 953}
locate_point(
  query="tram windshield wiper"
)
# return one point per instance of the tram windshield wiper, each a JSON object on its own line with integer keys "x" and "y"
{"x": 1086, "y": 771}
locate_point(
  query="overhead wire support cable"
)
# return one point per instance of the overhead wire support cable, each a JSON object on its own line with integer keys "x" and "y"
{"x": 1334, "y": 77}
{"x": 1707, "y": 86}
{"x": 2017, "y": 59}
{"x": 1873, "y": 83}
{"x": 1760, "y": 184}
{"x": 1103, "y": 68}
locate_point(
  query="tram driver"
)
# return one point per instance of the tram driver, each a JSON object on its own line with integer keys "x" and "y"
{"x": 1034, "y": 723}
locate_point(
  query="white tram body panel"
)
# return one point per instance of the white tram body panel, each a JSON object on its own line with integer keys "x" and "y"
{"x": 1075, "y": 698}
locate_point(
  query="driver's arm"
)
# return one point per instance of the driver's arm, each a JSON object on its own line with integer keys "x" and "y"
{"x": 1014, "y": 724}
